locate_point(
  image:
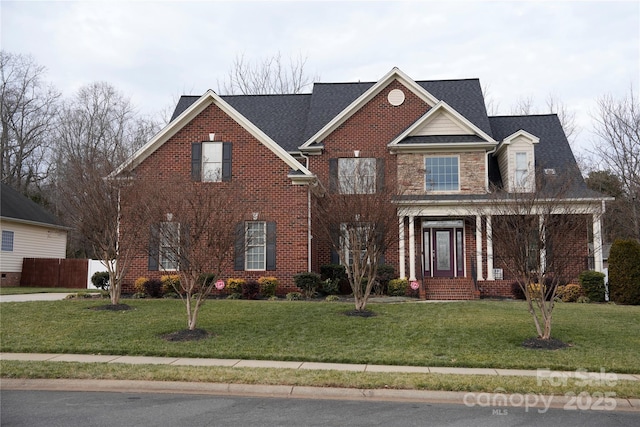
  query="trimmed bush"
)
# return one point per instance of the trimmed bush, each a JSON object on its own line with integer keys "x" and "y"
{"x": 570, "y": 292}
{"x": 294, "y": 296}
{"x": 516, "y": 291}
{"x": 331, "y": 298}
{"x": 250, "y": 289}
{"x": 100, "y": 280}
{"x": 170, "y": 283}
{"x": 138, "y": 285}
{"x": 153, "y": 288}
{"x": 397, "y": 287}
{"x": 234, "y": 286}
{"x": 592, "y": 283}
{"x": 268, "y": 286}
{"x": 624, "y": 272}
{"x": 386, "y": 272}
{"x": 330, "y": 287}
{"x": 333, "y": 272}
{"x": 308, "y": 282}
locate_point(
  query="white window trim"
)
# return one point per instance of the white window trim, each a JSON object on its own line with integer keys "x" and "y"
{"x": 162, "y": 252}
{"x": 217, "y": 176}
{"x": 13, "y": 237}
{"x": 249, "y": 244}
{"x": 424, "y": 162}
{"x": 359, "y": 187}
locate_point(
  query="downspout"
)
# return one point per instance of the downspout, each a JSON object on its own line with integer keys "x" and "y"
{"x": 486, "y": 167}
{"x": 309, "y": 235}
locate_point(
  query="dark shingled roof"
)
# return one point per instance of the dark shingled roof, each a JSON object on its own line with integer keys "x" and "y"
{"x": 16, "y": 206}
{"x": 553, "y": 150}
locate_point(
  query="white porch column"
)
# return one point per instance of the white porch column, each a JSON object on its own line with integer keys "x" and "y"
{"x": 401, "y": 247}
{"x": 479, "y": 248}
{"x": 412, "y": 249}
{"x": 490, "y": 275}
{"x": 597, "y": 243}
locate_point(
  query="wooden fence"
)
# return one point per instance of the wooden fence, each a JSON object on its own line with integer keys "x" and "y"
{"x": 54, "y": 273}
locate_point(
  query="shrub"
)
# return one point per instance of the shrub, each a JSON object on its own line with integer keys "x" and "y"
{"x": 235, "y": 295}
{"x": 138, "y": 285}
{"x": 624, "y": 272}
{"x": 100, "y": 280}
{"x": 170, "y": 283}
{"x": 153, "y": 288}
{"x": 330, "y": 286}
{"x": 583, "y": 299}
{"x": 294, "y": 296}
{"x": 234, "y": 286}
{"x": 592, "y": 283}
{"x": 516, "y": 291}
{"x": 331, "y": 298}
{"x": 569, "y": 293}
{"x": 308, "y": 282}
{"x": 268, "y": 286}
{"x": 385, "y": 273}
{"x": 250, "y": 289}
{"x": 397, "y": 287}
{"x": 333, "y": 272}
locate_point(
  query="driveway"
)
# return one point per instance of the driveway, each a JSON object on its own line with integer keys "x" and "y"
{"x": 33, "y": 297}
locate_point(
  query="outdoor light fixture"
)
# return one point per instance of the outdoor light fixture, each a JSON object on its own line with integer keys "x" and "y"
{"x": 356, "y": 153}
{"x": 212, "y": 136}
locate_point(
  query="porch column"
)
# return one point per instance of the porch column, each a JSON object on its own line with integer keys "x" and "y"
{"x": 401, "y": 247}
{"x": 479, "y": 248}
{"x": 597, "y": 243}
{"x": 412, "y": 249}
{"x": 490, "y": 275}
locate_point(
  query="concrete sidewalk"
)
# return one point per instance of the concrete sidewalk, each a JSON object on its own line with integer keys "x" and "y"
{"x": 241, "y": 363}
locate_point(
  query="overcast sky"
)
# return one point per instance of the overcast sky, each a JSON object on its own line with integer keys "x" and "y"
{"x": 155, "y": 51}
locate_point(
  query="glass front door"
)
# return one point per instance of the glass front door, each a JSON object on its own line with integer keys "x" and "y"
{"x": 443, "y": 250}
{"x": 443, "y": 260}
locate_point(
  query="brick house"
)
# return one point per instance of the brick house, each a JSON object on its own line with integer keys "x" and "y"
{"x": 435, "y": 137}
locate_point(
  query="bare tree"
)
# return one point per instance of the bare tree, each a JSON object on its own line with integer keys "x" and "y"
{"x": 527, "y": 106}
{"x": 491, "y": 104}
{"x": 270, "y": 75}
{"x": 529, "y": 237}
{"x": 194, "y": 234}
{"x": 359, "y": 221}
{"x": 617, "y": 125}
{"x": 28, "y": 107}
{"x": 98, "y": 129}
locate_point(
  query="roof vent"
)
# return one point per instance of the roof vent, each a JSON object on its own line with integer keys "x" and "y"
{"x": 396, "y": 97}
{"x": 549, "y": 171}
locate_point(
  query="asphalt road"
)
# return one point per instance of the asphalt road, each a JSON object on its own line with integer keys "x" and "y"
{"x": 89, "y": 409}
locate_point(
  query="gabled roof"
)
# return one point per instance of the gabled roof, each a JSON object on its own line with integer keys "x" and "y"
{"x": 14, "y": 206}
{"x": 191, "y": 110}
{"x": 442, "y": 106}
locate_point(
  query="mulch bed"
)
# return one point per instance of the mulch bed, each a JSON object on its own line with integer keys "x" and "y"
{"x": 187, "y": 335}
{"x": 359, "y": 313}
{"x": 540, "y": 344}
{"x": 112, "y": 307}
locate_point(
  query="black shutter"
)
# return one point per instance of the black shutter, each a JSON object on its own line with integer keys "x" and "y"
{"x": 271, "y": 245}
{"x": 196, "y": 161}
{"x": 238, "y": 264}
{"x": 335, "y": 241}
{"x": 333, "y": 175}
{"x": 379, "y": 175}
{"x": 226, "y": 161}
{"x": 154, "y": 247}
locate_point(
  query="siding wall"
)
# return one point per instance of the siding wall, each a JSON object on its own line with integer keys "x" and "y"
{"x": 442, "y": 124}
{"x": 31, "y": 241}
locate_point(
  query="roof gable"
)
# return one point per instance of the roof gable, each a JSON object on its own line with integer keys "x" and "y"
{"x": 189, "y": 113}
{"x": 364, "y": 98}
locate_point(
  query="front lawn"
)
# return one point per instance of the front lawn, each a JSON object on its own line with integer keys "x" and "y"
{"x": 469, "y": 334}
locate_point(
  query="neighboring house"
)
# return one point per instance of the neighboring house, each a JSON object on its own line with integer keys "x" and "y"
{"x": 435, "y": 136}
{"x": 28, "y": 231}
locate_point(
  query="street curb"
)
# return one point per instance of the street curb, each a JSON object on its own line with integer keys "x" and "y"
{"x": 540, "y": 404}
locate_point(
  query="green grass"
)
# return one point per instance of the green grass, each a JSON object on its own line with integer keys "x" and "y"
{"x": 14, "y": 290}
{"x": 314, "y": 378}
{"x": 469, "y": 334}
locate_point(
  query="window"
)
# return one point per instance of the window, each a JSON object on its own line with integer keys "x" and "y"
{"x": 169, "y": 251}
{"x": 256, "y": 244}
{"x": 522, "y": 170}
{"x": 7, "y": 241}
{"x": 211, "y": 161}
{"x": 357, "y": 175}
{"x": 442, "y": 174}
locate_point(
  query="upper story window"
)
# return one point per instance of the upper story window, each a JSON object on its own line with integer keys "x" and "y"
{"x": 357, "y": 175}
{"x": 211, "y": 161}
{"x": 169, "y": 251}
{"x": 7, "y": 241}
{"x": 442, "y": 173}
{"x": 522, "y": 169}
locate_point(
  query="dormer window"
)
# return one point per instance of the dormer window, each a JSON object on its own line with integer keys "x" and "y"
{"x": 516, "y": 159}
{"x": 522, "y": 170}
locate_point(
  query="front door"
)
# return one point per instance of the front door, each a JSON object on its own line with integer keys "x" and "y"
{"x": 443, "y": 259}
